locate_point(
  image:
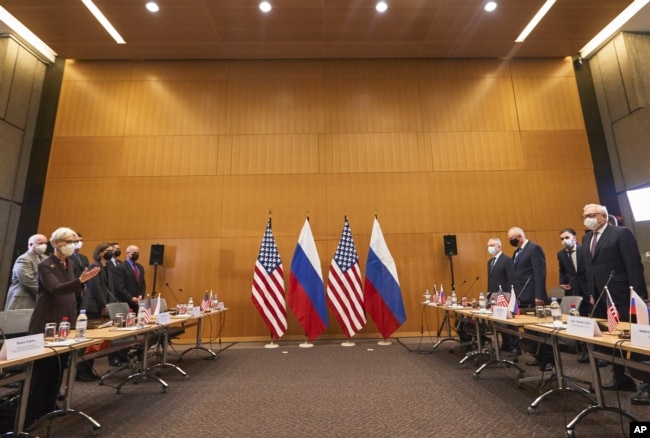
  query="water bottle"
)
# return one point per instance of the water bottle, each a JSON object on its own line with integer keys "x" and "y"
{"x": 141, "y": 315}
{"x": 574, "y": 311}
{"x": 556, "y": 313}
{"x": 81, "y": 325}
{"x": 454, "y": 299}
{"x": 64, "y": 329}
{"x": 463, "y": 301}
{"x": 427, "y": 296}
{"x": 481, "y": 302}
{"x": 190, "y": 306}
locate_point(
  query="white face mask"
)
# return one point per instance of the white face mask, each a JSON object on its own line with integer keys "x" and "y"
{"x": 78, "y": 245}
{"x": 591, "y": 223}
{"x": 67, "y": 250}
{"x": 40, "y": 248}
{"x": 492, "y": 250}
{"x": 568, "y": 243}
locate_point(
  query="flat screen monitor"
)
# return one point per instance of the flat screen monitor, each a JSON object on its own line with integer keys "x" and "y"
{"x": 640, "y": 203}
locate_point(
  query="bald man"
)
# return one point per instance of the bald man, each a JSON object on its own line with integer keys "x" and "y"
{"x": 24, "y": 278}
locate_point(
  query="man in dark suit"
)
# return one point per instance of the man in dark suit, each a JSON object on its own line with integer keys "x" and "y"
{"x": 501, "y": 275}
{"x": 79, "y": 263}
{"x": 573, "y": 278}
{"x": 530, "y": 269}
{"x": 530, "y": 287}
{"x": 130, "y": 285}
{"x": 612, "y": 251}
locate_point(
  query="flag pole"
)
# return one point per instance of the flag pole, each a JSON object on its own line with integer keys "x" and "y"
{"x": 384, "y": 342}
{"x": 348, "y": 343}
{"x": 306, "y": 344}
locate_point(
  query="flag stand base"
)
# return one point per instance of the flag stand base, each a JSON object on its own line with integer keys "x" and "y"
{"x": 271, "y": 345}
{"x": 306, "y": 344}
{"x": 348, "y": 343}
{"x": 384, "y": 342}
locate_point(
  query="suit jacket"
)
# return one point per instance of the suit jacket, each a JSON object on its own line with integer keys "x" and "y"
{"x": 79, "y": 263}
{"x": 126, "y": 284}
{"x": 55, "y": 299}
{"x": 530, "y": 266}
{"x": 617, "y": 251}
{"x": 501, "y": 274}
{"x": 24, "y": 282}
{"x": 99, "y": 291}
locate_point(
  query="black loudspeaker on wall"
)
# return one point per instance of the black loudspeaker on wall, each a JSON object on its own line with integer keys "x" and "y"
{"x": 450, "y": 244}
{"x": 157, "y": 253}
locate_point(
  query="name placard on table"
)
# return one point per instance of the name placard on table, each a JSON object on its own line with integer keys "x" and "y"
{"x": 15, "y": 348}
{"x": 501, "y": 312}
{"x": 163, "y": 318}
{"x": 640, "y": 335}
{"x": 582, "y": 326}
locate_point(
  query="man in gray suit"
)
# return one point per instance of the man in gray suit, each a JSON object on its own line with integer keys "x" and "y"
{"x": 24, "y": 277}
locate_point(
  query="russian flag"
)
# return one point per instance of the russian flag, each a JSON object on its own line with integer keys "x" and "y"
{"x": 513, "y": 306}
{"x": 639, "y": 308}
{"x": 306, "y": 290}
{"x": 382, "y": 293}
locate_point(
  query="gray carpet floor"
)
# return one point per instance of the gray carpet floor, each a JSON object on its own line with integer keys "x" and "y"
{"x": 333, "y": 391}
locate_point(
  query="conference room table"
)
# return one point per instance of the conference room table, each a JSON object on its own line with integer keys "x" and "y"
{"x": 24, "y": 373}
{"x": 186, "y": 322}
{"x": 619, "y": 353}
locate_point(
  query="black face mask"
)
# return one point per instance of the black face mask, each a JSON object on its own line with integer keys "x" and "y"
{"x": 117, "y": 253}
{"x": 514, "y": 242}
{"x": 135, "y": 256}
{"x": 108, "y": 255}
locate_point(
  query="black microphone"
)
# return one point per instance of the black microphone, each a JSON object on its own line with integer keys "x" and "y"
{"x": 523, "y": 288}
{"x": 172, "y": 292}
{"x": 471, "y": 286}
{"x": 461, "y": 285}
{"x": 611, "y": 275}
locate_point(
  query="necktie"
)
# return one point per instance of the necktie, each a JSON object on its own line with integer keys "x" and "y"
{"x": 517, "y": 254}
{"x": 594, "y": 241}
{"x": 136, "y": 271}
{"x": 494, "y": 261}
{"x": 572, "y": 257}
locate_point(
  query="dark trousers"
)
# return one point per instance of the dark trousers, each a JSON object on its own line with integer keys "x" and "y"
{"x": 47, "y": 375}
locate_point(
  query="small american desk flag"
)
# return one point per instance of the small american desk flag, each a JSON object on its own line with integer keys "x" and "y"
{"x": 344, "y": 290}
{"x": 205, "y": 303}
{"x": 268, "y": 286}
{"x": 147, "y": 311}
{"x": 501, "y": 301}
{"x": 612, "y": 313}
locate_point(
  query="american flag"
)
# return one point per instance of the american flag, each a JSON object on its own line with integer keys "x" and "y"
{"x": 612, "y": 313}
{"x": 501, "y": 301}
{"x": 268, "y": 286}
{"x": 344, "y": 289}
{"x": 205, "y": 304}
{"x": 147, "y": 311}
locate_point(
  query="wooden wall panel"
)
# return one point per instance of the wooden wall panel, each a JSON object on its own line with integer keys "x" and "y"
{"x": 548, "y": 103}
{"x": 92, "y": 108}
{"x": 472, "y": 104}
{"x": 403, "y": 69}
{"x": 274, "y": 154}
{"x": 177, "y": 108}
{"x": 390, "y": 152}
{"x": 400, "y": 200}
{"x": 556, "y": 150}
{"x": 180, "y": 71}
{"x": 170, "y": 156}
{"x": 85, "y": 157}
{"x": 248, "y": 199}
{"x": 97, "y": 71}
{"x": 194, "y": 154}
{"x": 435, "y": 69}
{"x": 556, "y": 191}
{"x": 369, "y": 105}
{"x": 476, "y": 151}
{"x": 479, "y": 201}
{"x": 275, "y": 106}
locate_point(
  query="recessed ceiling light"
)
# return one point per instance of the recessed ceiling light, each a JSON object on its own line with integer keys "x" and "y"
{"x": 152, "y": 7}
{"x": 490, "y": 6}
{"x": 381, "y": 6}
{"x": 265, "y": 6}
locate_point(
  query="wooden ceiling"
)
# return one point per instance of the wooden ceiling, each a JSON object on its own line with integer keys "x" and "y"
{"x": 236, "y": 29}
